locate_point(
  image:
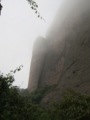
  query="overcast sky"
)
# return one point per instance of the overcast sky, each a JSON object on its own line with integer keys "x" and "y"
{"x": 19, "y": 27}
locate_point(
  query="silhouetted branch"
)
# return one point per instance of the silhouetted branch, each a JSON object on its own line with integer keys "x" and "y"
{"x": 0, "y": 8}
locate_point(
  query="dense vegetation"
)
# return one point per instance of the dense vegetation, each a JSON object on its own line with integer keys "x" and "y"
{"x": 16, "y": 104}
{"x": 36, "y": 96}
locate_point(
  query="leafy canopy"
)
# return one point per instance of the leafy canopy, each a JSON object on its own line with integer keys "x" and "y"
{"x": 17, "y": 105}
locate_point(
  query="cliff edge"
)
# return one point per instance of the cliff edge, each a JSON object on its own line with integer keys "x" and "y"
{"x": 64, "y": 59}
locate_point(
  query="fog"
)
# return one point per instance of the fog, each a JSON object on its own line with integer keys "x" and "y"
{"x": 69, "y": 15}
{"x": 71, "y": 20}
{"x": 19, "y": 27}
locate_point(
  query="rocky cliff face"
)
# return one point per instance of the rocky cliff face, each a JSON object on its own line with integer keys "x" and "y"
{"x": 37, "y": 63}
{"x": 65, "y": 57}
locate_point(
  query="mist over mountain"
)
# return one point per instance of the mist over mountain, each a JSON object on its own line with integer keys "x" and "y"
{"x": 63, "y": 56}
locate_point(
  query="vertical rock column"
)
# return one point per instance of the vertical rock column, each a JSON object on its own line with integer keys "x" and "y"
{"x": 37, "y": 62}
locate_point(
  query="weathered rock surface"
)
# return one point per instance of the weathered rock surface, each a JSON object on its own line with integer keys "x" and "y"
{"x": 37, "y": 62}
{"x": 66, "y": 58}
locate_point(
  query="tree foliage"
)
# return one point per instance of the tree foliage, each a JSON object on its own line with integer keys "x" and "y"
{"x": 0, "y": 8}
{"x": 36, "y": 96}
{"x": 34, "y": 6}
{"x": 16, "y": 104}
{"x": 74, "y": 106}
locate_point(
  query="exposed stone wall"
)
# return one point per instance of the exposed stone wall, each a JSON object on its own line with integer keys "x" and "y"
{"x": 66, "y": 62}
{"x": 37, "y": 62}
{"x": 76, "y": 69}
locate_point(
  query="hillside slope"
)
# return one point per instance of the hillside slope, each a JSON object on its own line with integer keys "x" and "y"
{"x": 66, "y": 60}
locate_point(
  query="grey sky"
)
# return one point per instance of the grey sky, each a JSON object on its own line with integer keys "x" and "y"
{"x": 19, "y": 27}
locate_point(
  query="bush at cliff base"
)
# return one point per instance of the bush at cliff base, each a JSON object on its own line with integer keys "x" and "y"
{"x": 74, "y": 106}
{"x": 13, "y": 106}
